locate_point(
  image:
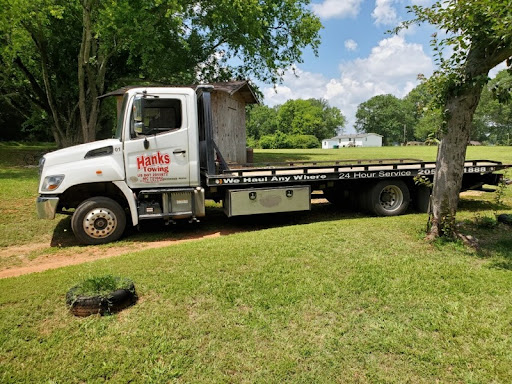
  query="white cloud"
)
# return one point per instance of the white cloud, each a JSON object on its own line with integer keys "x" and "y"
{"x": 296, "y": 85}
{"x": 350, "y": 45}
{"x": 384, "y": 13}
{"x": 392, "y": 67}
{"x": 337, "y": 8}
{"x": 392, "y": 59}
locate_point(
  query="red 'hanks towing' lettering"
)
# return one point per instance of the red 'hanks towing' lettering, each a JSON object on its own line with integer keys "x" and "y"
{"x": 155, "y": 159}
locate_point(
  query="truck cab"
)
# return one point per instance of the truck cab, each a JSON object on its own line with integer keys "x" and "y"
{"x": 150, "y": 169}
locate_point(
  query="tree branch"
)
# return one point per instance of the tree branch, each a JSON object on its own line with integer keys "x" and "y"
{"x": 42, "y": 102}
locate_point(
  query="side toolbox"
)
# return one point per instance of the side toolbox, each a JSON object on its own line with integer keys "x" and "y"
{"x": 254, "y": 201}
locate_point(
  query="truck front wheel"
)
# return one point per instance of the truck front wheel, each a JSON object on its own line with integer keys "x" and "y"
{"x": 98, "y": 220}
{"x": 388, "y": 198}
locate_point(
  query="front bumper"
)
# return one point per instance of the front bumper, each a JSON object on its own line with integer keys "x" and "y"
{"x": 47, "y": 207}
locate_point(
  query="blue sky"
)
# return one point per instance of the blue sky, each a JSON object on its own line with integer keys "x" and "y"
{"x": 357, "y": 58}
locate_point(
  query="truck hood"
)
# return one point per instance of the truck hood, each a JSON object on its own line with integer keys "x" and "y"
{"x": 77, "y": 152}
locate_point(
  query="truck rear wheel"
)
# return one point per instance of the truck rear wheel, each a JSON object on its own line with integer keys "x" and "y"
{"x": 388, "y": 198}
{"x": 98, "y": 220}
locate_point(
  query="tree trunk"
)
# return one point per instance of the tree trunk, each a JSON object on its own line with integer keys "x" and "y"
{"x": 459, "y": 109}
{"x": 450, "y": 161}
{"x": 83, "y": 62}
{"x": 92, "y": 65}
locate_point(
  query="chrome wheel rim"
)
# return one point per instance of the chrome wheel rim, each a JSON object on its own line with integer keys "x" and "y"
{"x": 100, "y": 223}
{"x": 391, "y": 198}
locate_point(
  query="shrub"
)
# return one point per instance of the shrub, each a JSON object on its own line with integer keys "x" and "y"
{"x": 280, "y": 140}
{"x": 303, "y": 141}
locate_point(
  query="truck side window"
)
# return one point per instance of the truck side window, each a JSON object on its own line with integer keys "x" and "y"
{"x": 161, "y": 115}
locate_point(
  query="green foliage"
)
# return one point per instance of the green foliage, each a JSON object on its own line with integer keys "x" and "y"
{"x": 277, "y": 140}
{"x": 493, "y": 118}
{"x": 124, "y": 42}
{"x": 500, "y": 192}
{"x": 429, "y": 125}
{"x": 388, "y": 116}
{"x": 423, "y": 180}
{"x": 303, "y": 141}
{"x": 251, "y": 142}
{"x": 485, "y": 222}
{"x": 310, "y": 117}
{"x": 300, "y": 120}
{"x": 470, "y": 27}
{"x": 261, "y": 120}
{"x": 281, "y": 140}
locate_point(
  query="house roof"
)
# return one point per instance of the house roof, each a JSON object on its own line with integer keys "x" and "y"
{"x": 243, "y": 88}
{"x": 354, "y": 136}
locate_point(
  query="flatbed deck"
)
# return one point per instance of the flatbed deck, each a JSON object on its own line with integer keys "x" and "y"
{"x": 305, "y": 172}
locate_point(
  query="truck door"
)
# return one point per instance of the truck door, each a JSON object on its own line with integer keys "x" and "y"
{"x": 156, "y": 146}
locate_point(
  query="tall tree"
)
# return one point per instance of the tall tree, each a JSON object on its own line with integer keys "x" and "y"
{"x": 388, "y": 116}
{"x": 67, "y": 52}
{"x": 479, "y": 35}
{"x": 493, "y": 117}
{"x": 310, "y": 117}
{"x": 261, "y": 120}
{"x": 429, "y": 125}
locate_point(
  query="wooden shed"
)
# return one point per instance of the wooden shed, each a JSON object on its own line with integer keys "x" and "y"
{"x": 228, "y": 113}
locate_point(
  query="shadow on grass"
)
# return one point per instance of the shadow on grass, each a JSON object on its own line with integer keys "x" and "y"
{"x": 495, "y": 243}
{"x": 18, "y": 173}
{"x": 501, "y": 249}
{"x": 478, "y": 205}
{"x": 63, "y": 235}
{"x": 215, "y": 223}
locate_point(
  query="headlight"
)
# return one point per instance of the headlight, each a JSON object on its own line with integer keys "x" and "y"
{"x": 51, "y": 183}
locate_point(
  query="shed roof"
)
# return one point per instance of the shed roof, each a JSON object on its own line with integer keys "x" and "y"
{"x": 242, "y": 87}
{"x": 354, "y": 136}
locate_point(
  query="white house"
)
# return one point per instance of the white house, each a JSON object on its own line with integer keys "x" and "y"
{"x": 356, "y": 140}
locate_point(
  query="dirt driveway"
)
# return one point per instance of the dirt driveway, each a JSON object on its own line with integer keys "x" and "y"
{"x": 63, "y": 250}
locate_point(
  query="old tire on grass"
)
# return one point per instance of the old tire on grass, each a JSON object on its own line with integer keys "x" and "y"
{"x": 388, "y": 198}
{"x": 114, "y": 302}
{"x": 98, "y": 220}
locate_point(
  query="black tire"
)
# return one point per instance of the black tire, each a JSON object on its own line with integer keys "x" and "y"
{"x": 505, "y": 219}
{"x": 388, "y": 198}
{"x": 116, "y": 301}
{"x": 98, "y": 220}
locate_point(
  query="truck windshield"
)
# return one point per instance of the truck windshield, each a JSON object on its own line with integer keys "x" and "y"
{"x": 120, "y": 119}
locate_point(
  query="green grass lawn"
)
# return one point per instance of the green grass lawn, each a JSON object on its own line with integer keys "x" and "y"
{"x": 350, "y": 300}
{"x": 503, "y": 154}
{"x": 325, "y": 297}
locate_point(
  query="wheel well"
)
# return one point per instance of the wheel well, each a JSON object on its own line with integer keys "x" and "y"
{"x": 73, "y": 196}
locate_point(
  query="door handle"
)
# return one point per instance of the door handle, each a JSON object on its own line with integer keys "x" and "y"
{"x": 179, "y": 151}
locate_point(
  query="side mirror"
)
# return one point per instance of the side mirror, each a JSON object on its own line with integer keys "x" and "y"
{"x": 137, "y": 109}
{"x": 138, "y": 127}
{"x": 137, "y": 124}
